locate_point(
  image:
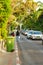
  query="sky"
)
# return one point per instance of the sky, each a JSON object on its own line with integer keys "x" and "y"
{"x": 38, "y": 0}
{"x": 34, "y": 0}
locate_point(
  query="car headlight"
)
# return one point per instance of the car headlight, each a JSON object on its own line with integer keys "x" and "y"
{"x": 33, "y": 36}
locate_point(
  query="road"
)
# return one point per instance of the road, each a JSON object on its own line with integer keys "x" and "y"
{"x": 30, "y": 51}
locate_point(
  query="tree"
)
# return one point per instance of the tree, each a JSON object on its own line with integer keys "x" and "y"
{"x": 24, "y": 9}
{"x": 5, "y": 11}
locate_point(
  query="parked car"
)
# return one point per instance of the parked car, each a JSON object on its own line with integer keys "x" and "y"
{"x": 26, "y": 32}
{"x": 23, "y": 32}
{"x": 36, "y": 35}
{"x": 29, "y": 33}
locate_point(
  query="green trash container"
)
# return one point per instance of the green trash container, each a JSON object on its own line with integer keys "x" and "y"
{"x": 10, "y": 44}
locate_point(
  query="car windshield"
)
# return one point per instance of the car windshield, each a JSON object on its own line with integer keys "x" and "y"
{"x": 30, "y": 32}
{"x": 37, "y": 32}
{"x": 26, "y": 31}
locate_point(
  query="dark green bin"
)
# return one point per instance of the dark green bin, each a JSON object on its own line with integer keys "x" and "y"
{"x": 10, "y": 42}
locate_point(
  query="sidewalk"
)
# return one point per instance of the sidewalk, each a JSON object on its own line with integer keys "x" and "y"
{"x": 7, "y": 58}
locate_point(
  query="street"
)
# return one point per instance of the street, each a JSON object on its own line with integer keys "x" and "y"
{"x": 30, "y": 51}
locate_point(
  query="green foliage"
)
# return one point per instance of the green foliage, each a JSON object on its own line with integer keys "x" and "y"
{"x": 40, "y": 21}
{"x": 34, "y": 21}
{"x": 24, "y": 9}
{"x": 28, "y": 23}
{"x": 12, "y": 26}
{"x": 24, "y": 12}
{"x": 5, "y": 10}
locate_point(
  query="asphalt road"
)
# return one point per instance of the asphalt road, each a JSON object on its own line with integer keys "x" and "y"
{"x": 30, "y": 51}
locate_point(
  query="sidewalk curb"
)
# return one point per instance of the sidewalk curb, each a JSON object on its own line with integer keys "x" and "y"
{"x": 17, "y": 56}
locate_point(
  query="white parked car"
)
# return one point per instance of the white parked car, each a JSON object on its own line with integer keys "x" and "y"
{"x": 42, "y": 36}
{"x": 26, "y": 32}
{"x": 36, "y": 35}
